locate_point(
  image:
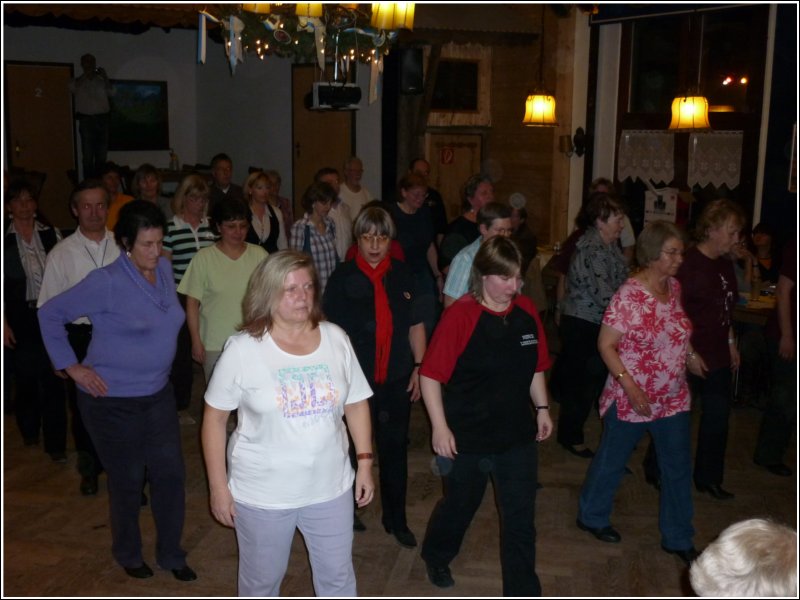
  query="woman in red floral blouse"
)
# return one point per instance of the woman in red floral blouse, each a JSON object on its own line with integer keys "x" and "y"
{"x": 644, "y": 342}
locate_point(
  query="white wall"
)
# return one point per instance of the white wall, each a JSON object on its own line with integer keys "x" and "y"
{"x": 154, "y": 55}
{"x": 247, "y": 115}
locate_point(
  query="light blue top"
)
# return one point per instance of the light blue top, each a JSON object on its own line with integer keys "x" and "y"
{"x": 457, "y": 283}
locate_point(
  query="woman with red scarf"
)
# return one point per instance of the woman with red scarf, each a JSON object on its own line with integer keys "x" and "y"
{"x": 372, "y": 299}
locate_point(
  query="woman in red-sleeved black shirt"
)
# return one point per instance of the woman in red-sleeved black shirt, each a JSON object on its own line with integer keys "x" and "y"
{"x": 484, "y": 366}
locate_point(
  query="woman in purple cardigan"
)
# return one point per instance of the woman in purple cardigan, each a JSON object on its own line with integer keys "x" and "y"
{"x": 124, "y": 393}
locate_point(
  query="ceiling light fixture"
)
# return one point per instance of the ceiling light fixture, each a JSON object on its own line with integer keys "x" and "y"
{"x": 540, "y": 106}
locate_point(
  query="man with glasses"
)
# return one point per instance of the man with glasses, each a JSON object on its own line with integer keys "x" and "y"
{"x": 493, "y": 219}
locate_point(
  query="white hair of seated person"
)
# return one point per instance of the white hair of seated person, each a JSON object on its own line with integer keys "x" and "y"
{"x": 750, "y": 558}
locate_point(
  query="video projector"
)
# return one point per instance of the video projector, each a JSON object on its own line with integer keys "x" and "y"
{"x": 335, "y": 96}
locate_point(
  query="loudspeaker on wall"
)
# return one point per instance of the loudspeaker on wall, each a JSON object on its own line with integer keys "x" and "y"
{"x": 411, "y": 81}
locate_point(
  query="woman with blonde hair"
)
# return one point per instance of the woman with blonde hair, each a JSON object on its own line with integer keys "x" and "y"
{"x": 187, "y": 232}
{"x": 267, "y": 227}
{"x": 292, "y": 377}
{"x": 709, "y": 294}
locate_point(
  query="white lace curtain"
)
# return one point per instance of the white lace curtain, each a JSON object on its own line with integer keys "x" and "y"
{"x": 714, "y": 157}
{"x": 647, "y": 155}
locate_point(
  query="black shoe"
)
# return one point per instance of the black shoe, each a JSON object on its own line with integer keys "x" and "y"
{"x": 778, "y": 469}
{"x": 653, "y": 480}
{"x": 405, "y": 537}
{"x": 584, "y": 453}
{"x": 715, "y": 490}
{"x": 687, "y": 556}
{"x": 440, "y": 576}
{"x": 604, "y": 534}
{"x": 88, "y": 485}
{"x": 185, "y": 573}
{"x": 140, "y": 572}
{"x": 358, "y": 524}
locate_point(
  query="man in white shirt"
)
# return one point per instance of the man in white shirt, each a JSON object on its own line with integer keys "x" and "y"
{"x": 93, "y": 111}
{"x": 352, "y": 193}
{"x": 340, "y": 212}
{"x": 91, "y": 247}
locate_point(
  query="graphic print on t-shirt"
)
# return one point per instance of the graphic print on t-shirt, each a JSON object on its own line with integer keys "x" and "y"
{"x": 306, "y": 391}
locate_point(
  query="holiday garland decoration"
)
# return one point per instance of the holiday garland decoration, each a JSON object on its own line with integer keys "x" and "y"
{"x": 343, "y": 34}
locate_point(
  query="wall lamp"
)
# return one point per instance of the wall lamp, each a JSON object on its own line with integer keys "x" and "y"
{"x": 573, "y": 145}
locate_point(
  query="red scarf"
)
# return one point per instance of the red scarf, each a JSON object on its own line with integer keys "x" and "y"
{"x": 383, "y": 314}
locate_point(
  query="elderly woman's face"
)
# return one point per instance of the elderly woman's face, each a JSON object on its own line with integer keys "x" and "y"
{"x": 373, "y": 247}
{"x": 611, "y": 228}
{"x": 147, "y": 248}
{"x": 669, "y": 259}
{"x": 297, "y": 298}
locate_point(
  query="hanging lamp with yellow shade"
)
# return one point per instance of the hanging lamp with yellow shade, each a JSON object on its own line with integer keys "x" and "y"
{"x": 393, "y": 15}
{"x": 540, "y": 106}
{"x": 689, "y": 113}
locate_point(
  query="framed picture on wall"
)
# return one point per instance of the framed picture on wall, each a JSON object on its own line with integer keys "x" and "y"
{"x": 139, "y": 115}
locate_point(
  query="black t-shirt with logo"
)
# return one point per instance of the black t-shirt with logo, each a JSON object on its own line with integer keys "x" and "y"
{"x": 486, "y": 362}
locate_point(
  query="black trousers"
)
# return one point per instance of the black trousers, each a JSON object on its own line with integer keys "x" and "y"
{"x": 94, "y": 142}
{"x": 39, "y": 404}
{"x": 135, "y": 436}
{"x": 181, "y": 374}
{"x": 391, "y": 409}
{"x": 714, "y": 396}
{"x": 514, "y": 476}
{"x": 89, "y": 464}
{"x": 780, "y": 414}
{"x": 583, "y": 380}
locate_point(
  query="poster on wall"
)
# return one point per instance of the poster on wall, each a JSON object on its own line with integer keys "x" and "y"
{"x": 661, "y": 205}
{"x": 139, "y": 115}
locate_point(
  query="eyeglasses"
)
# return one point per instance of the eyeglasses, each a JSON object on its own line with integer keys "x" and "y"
{"x": 324, "y": 201}
{"x": 673, "y": 253}
{"x": 299, "y": 290}
{"x": 369, "y": 238}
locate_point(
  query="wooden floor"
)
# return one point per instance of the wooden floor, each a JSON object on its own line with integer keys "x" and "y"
{"x": 57, "y": 543}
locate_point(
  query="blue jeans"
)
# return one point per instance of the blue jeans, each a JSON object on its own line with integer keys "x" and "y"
{"x": 514, "y": 475}
{"x": 672, "y": 437}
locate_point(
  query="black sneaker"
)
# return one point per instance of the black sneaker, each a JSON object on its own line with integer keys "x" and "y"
{"x": 440, "y": 576}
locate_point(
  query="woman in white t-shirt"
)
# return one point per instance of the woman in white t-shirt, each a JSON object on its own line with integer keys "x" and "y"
{"x": 292, "y": 377}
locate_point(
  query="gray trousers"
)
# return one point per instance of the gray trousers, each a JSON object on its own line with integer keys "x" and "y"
{"x": 265, "y": 542}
